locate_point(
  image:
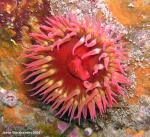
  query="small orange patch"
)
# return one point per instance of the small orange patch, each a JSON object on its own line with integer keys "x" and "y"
{"x": 20, "y": 87}
{"x": 22, "y": 92}
{"x": 134, "y": 133}
{"x": 8, "y": 57}
{"x": 142, "y": 84}
{"x": 129, "y": 13}
{"x": 10, "y": 116}
{"x": 100, "y": 15}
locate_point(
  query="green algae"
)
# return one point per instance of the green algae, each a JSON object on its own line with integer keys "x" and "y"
{"x": 49, "y": 130}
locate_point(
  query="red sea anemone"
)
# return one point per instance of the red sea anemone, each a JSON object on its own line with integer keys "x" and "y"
{"x": 79, "y": 69}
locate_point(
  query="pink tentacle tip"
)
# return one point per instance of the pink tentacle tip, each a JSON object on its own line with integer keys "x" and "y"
{"x": 91, "y": 86}
{"x": 103, "y": 55}
{"x": 91, "y": 44}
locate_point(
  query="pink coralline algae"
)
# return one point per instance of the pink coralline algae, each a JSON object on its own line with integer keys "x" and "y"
{"x": 62, "y": 126}
{"x": 75, "y": 66}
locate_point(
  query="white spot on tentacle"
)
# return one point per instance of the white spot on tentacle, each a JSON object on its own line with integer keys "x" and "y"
{"x": 98, "y": 67}
{"x": 78, "y": 44}
{"x": 91, "y": 53}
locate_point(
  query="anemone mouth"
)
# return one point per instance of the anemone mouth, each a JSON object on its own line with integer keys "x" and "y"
{"x": 80, "y": 68}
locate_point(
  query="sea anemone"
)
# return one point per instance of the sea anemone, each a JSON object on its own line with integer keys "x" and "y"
{"x": 75, "y": 66}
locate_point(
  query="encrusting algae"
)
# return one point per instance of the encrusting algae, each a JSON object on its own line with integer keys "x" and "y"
{"x": 130, "y": 13}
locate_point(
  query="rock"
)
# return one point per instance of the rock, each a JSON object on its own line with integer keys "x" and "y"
{"x": 9, "y": 99}
{"x": 88, "y": 131}
{"x": 62, "y": 126}
{"x": 74, "y": 132}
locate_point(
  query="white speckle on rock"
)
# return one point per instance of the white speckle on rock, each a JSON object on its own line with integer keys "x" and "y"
{"x": 88, "y": 131}
{"x": 130, "y": 5}
{"x": 2, "y": 92}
